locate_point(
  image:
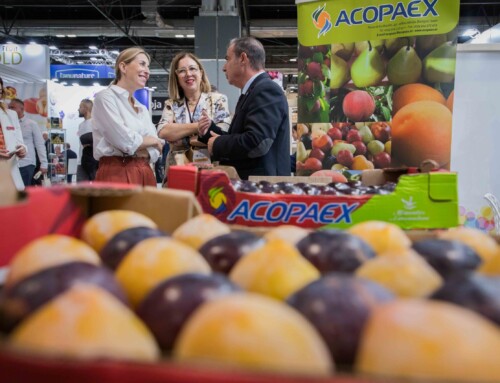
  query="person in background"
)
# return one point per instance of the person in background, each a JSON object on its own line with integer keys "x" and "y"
{"x": 67, "y": 155}
{"x": 190, "y": 94}
{"x": 88, "y": 167}
{"x": 33, "y": 139}
{"x": 258, "y": 140}
{"x": 125, "y": 139}
{"x": 12, "y": 145}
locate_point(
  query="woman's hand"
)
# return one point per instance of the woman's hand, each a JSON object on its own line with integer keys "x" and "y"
{"x": 204, "y": 123}
{"x": 4, "y": 154}
{"x": 21, "y": 151}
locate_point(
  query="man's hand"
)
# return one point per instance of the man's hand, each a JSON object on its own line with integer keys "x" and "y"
{"x": 211, "y": 142}
{"x": 204, "y": 123}
{"x": 43, "y": 170}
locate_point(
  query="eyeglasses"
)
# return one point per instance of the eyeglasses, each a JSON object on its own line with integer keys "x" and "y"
{"x": 184, "y": 71}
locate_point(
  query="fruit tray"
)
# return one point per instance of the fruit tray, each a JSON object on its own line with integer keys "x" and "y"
{"x": 22, "y": 369}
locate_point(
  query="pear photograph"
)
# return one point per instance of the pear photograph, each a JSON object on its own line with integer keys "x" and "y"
{"x": 380, "y": 103}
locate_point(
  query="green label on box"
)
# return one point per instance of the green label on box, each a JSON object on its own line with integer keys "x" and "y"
{"x": 341, "y": 21}
{"x": 412, "y": 206}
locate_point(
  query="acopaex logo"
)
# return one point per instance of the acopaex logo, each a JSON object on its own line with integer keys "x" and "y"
{"x": 218, "y": 200}
{"x": 322, "y": 20}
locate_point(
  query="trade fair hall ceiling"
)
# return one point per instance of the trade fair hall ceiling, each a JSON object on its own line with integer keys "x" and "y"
{"x": 111, "y": 25}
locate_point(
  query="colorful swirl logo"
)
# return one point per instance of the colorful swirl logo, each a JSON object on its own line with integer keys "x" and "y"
{"x": 322, "y": 20}
{"x": 218, "y": 200}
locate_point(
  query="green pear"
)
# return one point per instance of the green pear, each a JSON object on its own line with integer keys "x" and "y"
{"x": 368, "y": 69}
{"x": 426, "y": 44}
{"x": 339, "y": 73}
{"x": 361, "y": 46}
{"x": 404, "y": 67}
{"x": 392, "y": 46}
{"x": 343, "y": 50}
{"x": 439, "y": 65}
{"x": 301, "y": 152}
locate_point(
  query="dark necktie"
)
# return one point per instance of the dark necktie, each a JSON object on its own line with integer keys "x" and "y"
{"x": 240, "y": 102}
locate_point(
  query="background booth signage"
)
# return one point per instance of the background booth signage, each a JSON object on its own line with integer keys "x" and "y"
{"x": 81, "y": 72}
{"x": 31, "y": 58}
{"x": 325, "y": 22}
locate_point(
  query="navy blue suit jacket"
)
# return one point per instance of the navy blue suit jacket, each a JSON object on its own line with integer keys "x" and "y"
{"x": 258, "y": 139}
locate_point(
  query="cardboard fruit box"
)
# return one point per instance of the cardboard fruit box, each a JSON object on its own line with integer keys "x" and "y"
{"x": 40, "y": 211}
{"x": 62, "y": 210}
{"x": 420, "y": 200}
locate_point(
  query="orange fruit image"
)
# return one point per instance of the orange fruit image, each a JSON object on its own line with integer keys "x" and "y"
{"x": 415, "y": 92}
{"x": 422, "y": 131}
{"x": 449, "y": 101}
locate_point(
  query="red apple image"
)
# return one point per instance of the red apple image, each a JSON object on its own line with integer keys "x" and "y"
{"x": 317, "y": 153}
{"x": 323, "y": 142}
{"x": 381, "y": 130}
{"x": 312, "y": 164}
{"x": 382, "y": 160}
{"x": 334, "y": 133}
{"x": 360, "y": 148}
{"x": 353, "y": 136}
{"x": 358, "y": 105}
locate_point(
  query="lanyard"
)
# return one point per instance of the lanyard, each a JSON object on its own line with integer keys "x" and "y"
{"x": 194, "y": 111}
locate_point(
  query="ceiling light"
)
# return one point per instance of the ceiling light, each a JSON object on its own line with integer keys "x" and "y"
{"x": 52, "y": 47}
{"x": 292, "y": 60}
{"x": 79, "y": 62}
{"x": 60, "y": 36}
{"x": 71, "y": 36}
{"x": 78, "y": 51}
{"x": 179, "y": 36}
{"x": 92, "y": 47}
{"x": 93, "y": 59}
{"x": 190, "y": 36}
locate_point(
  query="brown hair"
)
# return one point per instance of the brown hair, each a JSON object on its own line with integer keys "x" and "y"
{"x": 127, "y": 56}
{"x": 174, "y": 90}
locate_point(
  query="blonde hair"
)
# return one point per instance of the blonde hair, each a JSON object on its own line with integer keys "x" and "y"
{"x": 174, "y": 90}
{"x": 127, "y": 56}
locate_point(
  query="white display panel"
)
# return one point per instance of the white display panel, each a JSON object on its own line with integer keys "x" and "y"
{"x": 476, "y": 131}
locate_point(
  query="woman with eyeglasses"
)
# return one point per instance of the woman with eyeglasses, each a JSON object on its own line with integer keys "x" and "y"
{"x": 190, "y": 98}
{"x": 11, "y": 139}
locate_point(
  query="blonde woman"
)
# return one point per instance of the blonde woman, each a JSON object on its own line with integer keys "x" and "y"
{"x": 125, "y": 139}
{"x": 11, "y": 139}
{"x": 190, "y": 96}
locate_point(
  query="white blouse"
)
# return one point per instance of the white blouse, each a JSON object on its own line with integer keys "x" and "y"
{"x": 117, "y": 129}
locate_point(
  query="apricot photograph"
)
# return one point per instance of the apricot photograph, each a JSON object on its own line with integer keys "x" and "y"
{"x": 421, "y": 131}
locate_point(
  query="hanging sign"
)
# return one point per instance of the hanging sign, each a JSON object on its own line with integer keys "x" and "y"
{"x": 325, "y": 22}
{"x": 30, "y": 58}
{"x": 81, "y": 72}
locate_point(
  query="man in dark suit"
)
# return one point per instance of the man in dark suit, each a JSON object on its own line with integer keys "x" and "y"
{"x": 258, "y": 139}
{"x": 66, "y": 155}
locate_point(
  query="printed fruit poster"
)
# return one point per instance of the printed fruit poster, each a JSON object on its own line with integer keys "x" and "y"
{"x": 375, "y": 83}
